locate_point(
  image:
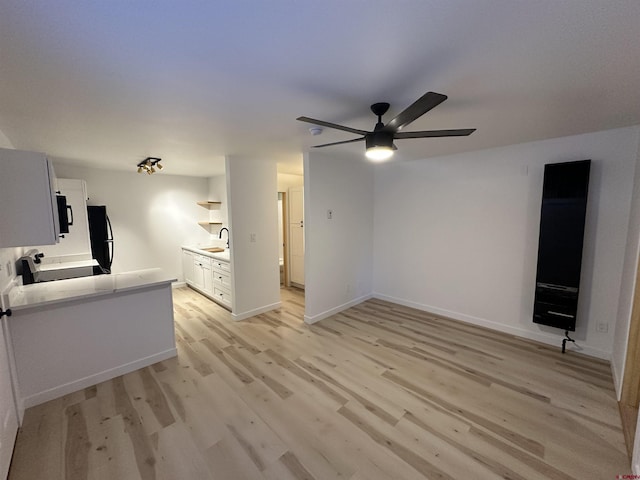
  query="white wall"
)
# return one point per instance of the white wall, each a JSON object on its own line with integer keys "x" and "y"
{"x": 151, "y": 215}
{"x": 338, "y": 252}
{"x": 4, "y": 141}
{"x": 218, "y": 193}
{"x": 253, "y": 204}
{"x": 627, "y": 287}
{"x": 458, "y": 235}
{"x": 288, "y": 180}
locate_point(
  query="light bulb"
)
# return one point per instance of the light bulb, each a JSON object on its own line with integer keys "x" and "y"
{"x": 379, "y": 153}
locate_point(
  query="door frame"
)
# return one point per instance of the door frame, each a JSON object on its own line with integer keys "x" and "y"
{"x": 630, "y": 391}
{"x": 285, "y": 237}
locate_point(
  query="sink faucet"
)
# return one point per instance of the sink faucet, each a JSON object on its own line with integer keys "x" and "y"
{"x": 220, "y": 235}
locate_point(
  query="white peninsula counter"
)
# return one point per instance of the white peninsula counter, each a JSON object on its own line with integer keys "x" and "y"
{"x": 70, "y": 334}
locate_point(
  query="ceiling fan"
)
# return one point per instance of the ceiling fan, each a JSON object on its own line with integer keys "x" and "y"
{"x": 379, "y": 142}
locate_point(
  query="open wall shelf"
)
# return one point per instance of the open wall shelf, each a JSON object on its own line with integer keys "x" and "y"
{"x": 208, "y": 204}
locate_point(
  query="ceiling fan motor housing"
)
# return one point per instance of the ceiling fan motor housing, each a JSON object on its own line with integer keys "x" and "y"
{"x": 379, "y": 139}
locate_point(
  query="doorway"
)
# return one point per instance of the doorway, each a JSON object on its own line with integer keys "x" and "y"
{"x": 291, "y": 244}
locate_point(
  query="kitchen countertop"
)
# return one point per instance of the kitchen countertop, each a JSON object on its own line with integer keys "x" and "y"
{"x": 45, "y": 267}
{"x": 24, "y": 297}
{"x": 218, "y": 255}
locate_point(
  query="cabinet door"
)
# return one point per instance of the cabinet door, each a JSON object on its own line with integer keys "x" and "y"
{"x": 77, "y": 241}
{"x": 187, "y": 266}
{"x": 207, "y": 285}
{"x": 198, "y": 272}
{"x": 29, "y": 213}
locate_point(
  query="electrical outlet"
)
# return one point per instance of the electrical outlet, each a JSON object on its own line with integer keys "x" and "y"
{"x": 252, "y": 237}
{"x": 602, "y": 327}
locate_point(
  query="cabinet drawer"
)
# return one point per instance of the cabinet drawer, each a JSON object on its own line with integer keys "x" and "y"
{"x": 221, "y": 265}
{"x": 202, "y": 260}
{"x": 221, "y": 279}
{"x": 222, "y": 295}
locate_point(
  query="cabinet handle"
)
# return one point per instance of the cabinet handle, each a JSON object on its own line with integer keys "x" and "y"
{"x": 71, "y": 213}
{"x": 551, "y": 312}
{"x": 6, "y": 312}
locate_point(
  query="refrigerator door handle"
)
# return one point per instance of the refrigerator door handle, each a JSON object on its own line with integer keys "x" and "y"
{"x": 110, "y": 242}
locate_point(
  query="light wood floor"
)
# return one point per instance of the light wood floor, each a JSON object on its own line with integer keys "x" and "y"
{"x": 378, "y": 392}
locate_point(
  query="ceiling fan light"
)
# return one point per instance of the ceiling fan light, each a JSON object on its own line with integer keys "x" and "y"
{"x": 379, "y": 153}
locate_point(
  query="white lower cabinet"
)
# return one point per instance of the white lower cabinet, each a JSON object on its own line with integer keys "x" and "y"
{"x": 209, "y": 276}
{"x": 187, "y": 266}
{"x": 222, "y": 282}
{"x": 207, "y": 281}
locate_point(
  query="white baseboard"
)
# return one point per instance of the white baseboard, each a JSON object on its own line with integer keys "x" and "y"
{"x": 482, "y": 322}
{"x": 60, "y": 390}
{"x": 178, "y": 284}
{"x": 256, "y": 311}
{"x": 320, "y": 316}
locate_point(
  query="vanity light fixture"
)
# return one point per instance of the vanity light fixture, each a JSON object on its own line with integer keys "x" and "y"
{"x": 149, "y": 165}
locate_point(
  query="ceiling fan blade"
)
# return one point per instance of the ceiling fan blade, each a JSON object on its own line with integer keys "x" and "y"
{"x": 463, "y": 132}
{"x": 332, "y": 125}
{"x": 339, "y": 143}
{"x": 418, "y": 108}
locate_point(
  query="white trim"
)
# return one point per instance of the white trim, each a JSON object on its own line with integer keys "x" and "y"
{"x": 520, "y": 332}
{"x": 635, "y": 458}
{"x": 617, "y": 373}
{"x": 178, "y": 284}
{"x": 256, "y": 311}
{"x": 60, "y": 390}
{"x": 320, "y": 316}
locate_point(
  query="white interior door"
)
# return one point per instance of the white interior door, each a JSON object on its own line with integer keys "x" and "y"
{"x": 8, "y": 413}
{"x": 296, "y": 234}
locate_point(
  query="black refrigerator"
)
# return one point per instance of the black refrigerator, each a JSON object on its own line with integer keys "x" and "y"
{"x": 562, "y": 222}
{"x": 101, "y": 236}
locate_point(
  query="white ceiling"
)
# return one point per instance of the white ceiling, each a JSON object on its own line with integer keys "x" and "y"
{"x": 110, "y": 82}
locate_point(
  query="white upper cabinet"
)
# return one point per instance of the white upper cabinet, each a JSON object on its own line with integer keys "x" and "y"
{"x": 77, "y": 241}
{"x": 28, "y": 206}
